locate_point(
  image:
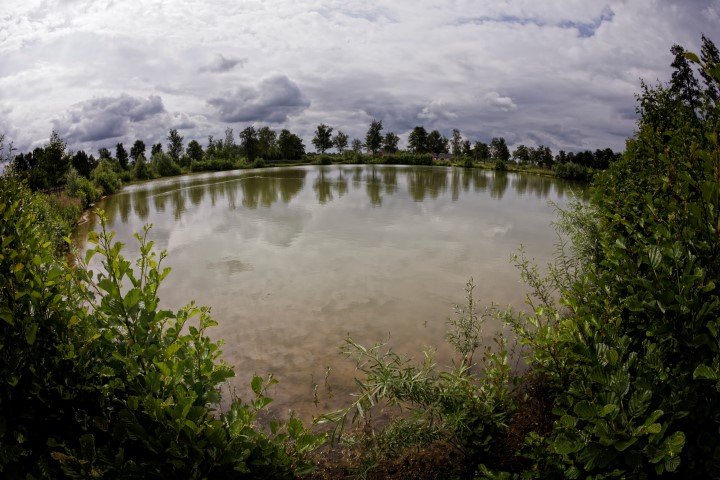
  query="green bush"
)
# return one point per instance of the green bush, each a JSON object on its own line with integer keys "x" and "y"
{"x": 464, "y": 407}
{"x": 500, "y": 166}
{"x": 213, "y": 165}
{"x": 97, "y": 381}
{"x": 106, "y": 178}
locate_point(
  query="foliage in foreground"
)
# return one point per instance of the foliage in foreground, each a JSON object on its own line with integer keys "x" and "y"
{"x": 624, "y": 332}
{"x": 98, "y": 381}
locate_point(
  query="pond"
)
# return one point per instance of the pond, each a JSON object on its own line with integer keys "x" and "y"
{"x": 293, "y": 260}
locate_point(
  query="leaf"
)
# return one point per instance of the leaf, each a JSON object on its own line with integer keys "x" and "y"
{"x": 585, "y": 410}
{"x": 692, "y": 57}
{"x": 256, "y": 384}
{"x": 31, "y": 333}
{"x": 623, "y": 445}
{"x": 672, "y": 463}
{"x": 639, "y": 401}
{"x": 565, "y": 444}
{"x": 132, "y": 298}
{"x": 703, "y": 372}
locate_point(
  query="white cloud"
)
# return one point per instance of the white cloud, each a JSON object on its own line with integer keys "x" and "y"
{"x": 564, "y": 71}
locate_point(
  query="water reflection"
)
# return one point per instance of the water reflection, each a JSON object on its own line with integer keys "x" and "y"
{"x": 264, "y": 188}
{"x": 293, "y": 259}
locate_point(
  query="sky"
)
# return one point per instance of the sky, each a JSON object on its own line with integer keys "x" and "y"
{"x": 559, "y": 73}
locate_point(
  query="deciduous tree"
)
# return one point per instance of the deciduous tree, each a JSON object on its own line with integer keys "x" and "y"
{"x": 323, "y": 138}
{"x": 373, "y": 138}
{"x": 418, "y": 139}
{"x": 175, "y": 145}
{"x": 340, "y": 141}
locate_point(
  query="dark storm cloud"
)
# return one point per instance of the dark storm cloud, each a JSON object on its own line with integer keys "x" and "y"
{"x": 221, "y": 64}
{"x": 272, "y": 101}
{"x": 105, "y": 118}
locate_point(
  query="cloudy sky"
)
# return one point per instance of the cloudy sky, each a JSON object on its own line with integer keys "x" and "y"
{"x": 561, "y": 73}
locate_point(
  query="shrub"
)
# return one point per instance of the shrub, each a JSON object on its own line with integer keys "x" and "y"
{"x": 97, "y": 381}
{"x": 500, "y": 166}
{"x": 106, "y": 178}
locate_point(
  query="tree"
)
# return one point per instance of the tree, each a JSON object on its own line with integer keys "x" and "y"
{"x": 290, "y": 145}
{"x": 157, "y": 148}
{"x": 323, "y": 138}
{"x": 373, "y": 138}
{"x": 194, "y": 151}
{"x": 137, "y": 149}
{"x": 436, "y": 143}
{"x": 521, "y": 154}
{"x": 456, "y": 142}
{"x": 340, "y": 141}
{"x": 175, "y": 145}
{"x": 390, "y": 143}
{"x": 467, "y": 148}
{"x": 267, "y": 143}
{"x": 481, "y": 151}
{"x": 141, "y": 170}
{"x": 249, "y": 143}
{"x": 418, "y": 139}
{"x": 711, "y": 57}
{"x": 356, "y": 145}
{"x": 81, "y": 162}
{"x": 499, "y": 149}
{"x": 104, "y": 154}
{"x": 684, "y": 84}
{"x": 52, "y": 163}
{"x": 122, "y": 156}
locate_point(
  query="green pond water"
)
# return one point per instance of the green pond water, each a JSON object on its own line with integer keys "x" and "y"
{"x": 293, "y": 260}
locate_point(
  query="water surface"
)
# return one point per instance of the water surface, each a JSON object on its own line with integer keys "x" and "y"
{"x": 293, "y": 260}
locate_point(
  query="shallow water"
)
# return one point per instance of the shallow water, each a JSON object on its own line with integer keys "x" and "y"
{"x": 293, "y": 260}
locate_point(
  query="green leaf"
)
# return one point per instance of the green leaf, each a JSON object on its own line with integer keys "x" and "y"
{"x": 565, "y": 444}
{"x": 623, "y": 445}
{"x": 256, "y": 384}
{"x": 31, "y": 333}
{"x": 585, "y": 410}
{"x": 132, "y": 298}
{"x": 692, "y": 57}
{"x": 703, "y": 372}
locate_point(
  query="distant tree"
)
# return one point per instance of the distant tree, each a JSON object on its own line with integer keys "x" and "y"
{"x": 390, "y": 143}
{"x": 561, "y": 157}
{"x": 323, "y": 138}
{"x": 249, "y": 143}
{"x": 710, "y": 56}
{"x": 456, "y": 142}
{"x": 521, "y": 154}
{"x": 194, "y": 151}
{"x": 499, "y": 149}
{"x": 340, "y": 141}
{"x": 52, "y": 163}
{"x": 104, "y": 154}
{"x": 81, "y": 162}
{"x": 137, "y": 149}
{"x": 121, "y": 156}
{"x": 141, "y": 170}
{"x": 267, "y": 143}
{"x": 683, "y": 83}
{"x": 356, "y": 145}
{"x": 481, "y": 151}
{"x": 417, "y": 140}
{"x": 373, "y": 138}
{"x": 436, "y": 143}
{"x": 290, "y": 145}
{"x": 467, "y": 148}
{"x": 175, "y": 145}
{"x": 546, "y": 156}
{"x": 157, "y": 148}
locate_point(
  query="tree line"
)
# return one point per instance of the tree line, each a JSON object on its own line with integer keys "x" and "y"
{"x": 54, "y": 165}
